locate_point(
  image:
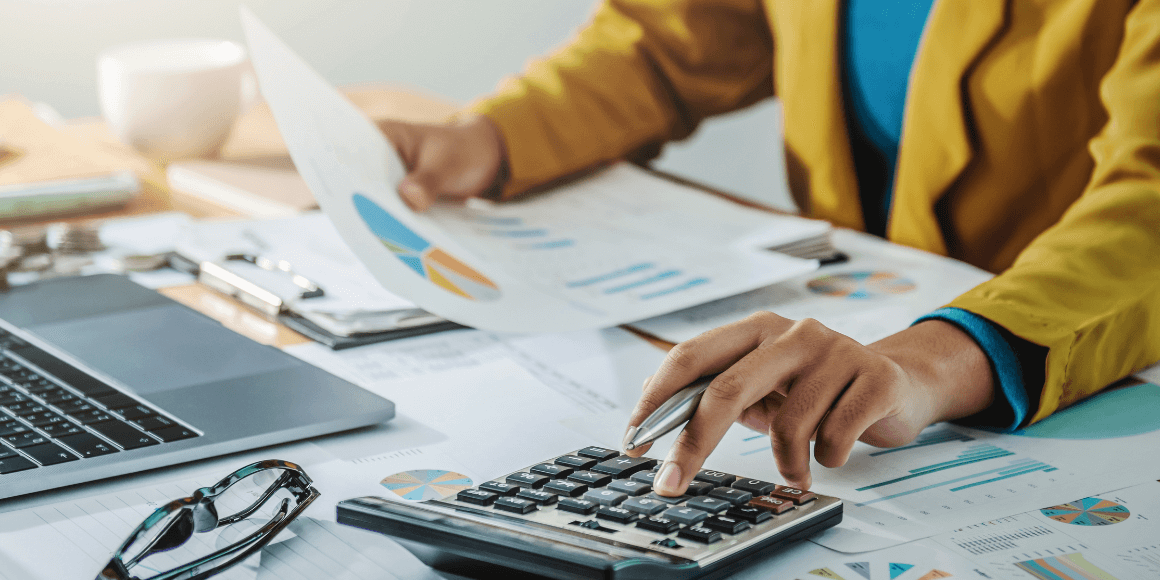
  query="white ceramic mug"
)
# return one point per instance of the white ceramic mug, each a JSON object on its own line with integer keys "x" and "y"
{"x": 176, "y": 98}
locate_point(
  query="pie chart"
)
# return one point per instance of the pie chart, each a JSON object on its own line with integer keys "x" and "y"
{"x": 860, "y": 285}
{"x": 430, "y": 262}
{"x": 1090, "y": 511}
{"x": 425, "y": 484}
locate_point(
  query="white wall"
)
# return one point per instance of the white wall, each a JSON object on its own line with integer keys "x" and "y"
{"x": 456, "y": 48}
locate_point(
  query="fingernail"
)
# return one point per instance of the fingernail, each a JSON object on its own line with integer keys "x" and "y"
{"x": 628, "y": 435}
{"x": 668, "y": 481}
{"x": 410, "y": 188}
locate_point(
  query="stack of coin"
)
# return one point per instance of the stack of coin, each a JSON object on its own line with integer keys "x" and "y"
{"x": 84, "y": 238}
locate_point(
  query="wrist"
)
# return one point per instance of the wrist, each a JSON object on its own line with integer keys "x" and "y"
{"x": 947, "y": 364}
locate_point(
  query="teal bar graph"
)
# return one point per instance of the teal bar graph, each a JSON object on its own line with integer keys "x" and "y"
{"x": 972, "y": 455}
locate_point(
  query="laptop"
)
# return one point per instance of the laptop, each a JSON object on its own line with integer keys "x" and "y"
{"x": 101, "y": 377}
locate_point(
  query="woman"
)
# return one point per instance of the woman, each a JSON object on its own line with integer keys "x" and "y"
{"x": 1022, "y": 136}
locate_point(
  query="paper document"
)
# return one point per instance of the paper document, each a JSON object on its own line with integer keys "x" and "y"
{"x": 615, "y": 247}
{"x": 881, "y": 290}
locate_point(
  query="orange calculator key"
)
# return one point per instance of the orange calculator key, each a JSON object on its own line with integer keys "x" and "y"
{"x": 797, "y": 496}
{"x": 773, "y": 504}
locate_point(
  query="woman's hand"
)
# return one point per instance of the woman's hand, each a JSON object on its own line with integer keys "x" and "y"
{"x": 458, "y": 160}
{"x": 800, "y": 381}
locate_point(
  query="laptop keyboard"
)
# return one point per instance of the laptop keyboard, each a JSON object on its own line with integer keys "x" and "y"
{"x": 52, "y": 413}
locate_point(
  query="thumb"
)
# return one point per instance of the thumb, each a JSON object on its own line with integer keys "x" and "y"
{"x": 417, "y": 191}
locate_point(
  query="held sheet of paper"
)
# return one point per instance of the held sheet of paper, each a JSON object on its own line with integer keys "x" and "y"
{"x": 618, "y": 246}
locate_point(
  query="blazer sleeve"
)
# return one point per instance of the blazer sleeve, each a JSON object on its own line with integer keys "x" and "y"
{"x": 1088, "y": 288}
{"x": 642, "y": 72}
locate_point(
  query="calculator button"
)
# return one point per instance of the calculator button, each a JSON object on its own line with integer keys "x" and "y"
{"x": 591, "y": 478}
{"x": 750, "y": 514}
{"x": 754, "y": 486}
{"x": 667, "y": 499}
{"x": 567, "y": 488}
{"x": 540, "y": 497}
{"x": 576, "y": 462}
{"x": 499, "y": 488}
{"x": 668, "y": 543}
{"x": 625, "y": 466}
{"x": 709, "y": 504}
{"x": 733, "y": 496}
{"x": 644, "y": 477}
{"x": 615, "y": 514}
{"x": 658, "y": 525}
{"x": 632, "y": 488}
{"x": 726, "y": 525}
{"x": 576, "y": 505}
{"x": 717, "y": 478}
{"x": 772, "y": 504}
{"x": 477, "y": 497}
{"x": 699, "y": 534}
{"x": 699, "y": 488}
{"x": 598, "y": 453}
{"x": 515, "y": 505}
{"x": 605, "y": 497}
{"x": 528, "y": 480}
{"x": 552, "y": 471}
{"x": 49, "y": 454}
{"x": 644, "y": 505}
{"x": 797, "y": 496}
{"x": 685, "y": 515}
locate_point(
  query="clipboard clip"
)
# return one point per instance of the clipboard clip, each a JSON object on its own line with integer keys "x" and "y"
{"x": 220, "y": 278}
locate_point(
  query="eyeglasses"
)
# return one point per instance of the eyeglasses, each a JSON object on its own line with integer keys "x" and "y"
{"x": 243, "y": 494}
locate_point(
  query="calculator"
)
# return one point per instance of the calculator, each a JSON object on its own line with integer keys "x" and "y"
{"x": 592, "y": 514}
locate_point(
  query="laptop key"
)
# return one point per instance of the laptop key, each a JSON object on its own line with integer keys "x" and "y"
{"x": 175, "y": 433}
{"x": 6, "y": 452}
{"x": 11, "y": 397}
{"x": 74, "y": 406}
{"x": 65, "y": 372}
{"x": 58, "y": 430}
{"x": 91, "y": 416}
{"x": 87, "y": 445}
{"x": 14, "y": 464}
{"x": 44, "y": 419}
{"x": 154, "y": 423}
{"x": 124, "y": 435}
{"x": 26, "y": 439}
{"x": 117, "y": 401}
{"x": 57, "y": 396}
{"x": 49, "y": 454}
{"x": 135, "y": 412}
{"x": 12, "y": 427}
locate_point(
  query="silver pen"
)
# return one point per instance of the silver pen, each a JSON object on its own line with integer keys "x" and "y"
{"x": 669, "y": 416}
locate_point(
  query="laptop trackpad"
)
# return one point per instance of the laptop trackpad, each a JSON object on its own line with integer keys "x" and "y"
{"x": 162, "y": 348}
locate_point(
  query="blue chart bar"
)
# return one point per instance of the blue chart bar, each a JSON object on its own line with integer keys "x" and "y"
{"x": 536, "y": 233}
{"x": 690, "y": 284}
{"x": 562, "y": 243}
{"x": 973, "y": 455}
{"x": 1014, "y": 468}
{"x": 610, "y": 276}
{"x": 651, "y": 279}
{"x": 499, "y": 221}
{"x": 935, "y": 438}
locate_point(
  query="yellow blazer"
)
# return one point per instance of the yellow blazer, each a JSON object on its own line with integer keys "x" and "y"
{"x": 1030, "y": 144}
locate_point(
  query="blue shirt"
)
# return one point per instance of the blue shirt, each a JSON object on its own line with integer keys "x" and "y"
{"x": 881, "y": 39}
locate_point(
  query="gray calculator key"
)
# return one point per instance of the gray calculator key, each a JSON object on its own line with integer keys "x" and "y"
{"x": 644, "y": 477}
{"x": 717, "y": 478}
{"x": 669, "y": 500}
{"x": 625, "y": 466}
{"x": 754, "y": 486}
{"x": 553, "y": 471}
{"x": 528, "y": 479}
{"x": 566, "y": 488}
{"x": 733, "y": 496}
{"x": 605, "y": 497}
{"x": 515, "y": 505}
{"x": 699, "y": 488}
{"x": 726, "y": 525}
{"x": 591, "y": 478}
{"x": 644, "y": 505}
{"x": 632, "y": 488}
{"x": 576, "y": 505}
{"x": 576, "y": 462}
{"x": 477, "y": 497}
{"x": 540, "y": 497}
{"x": 618, "y": 515}
{"x": 699, "y": 534}
{"x": 500, "y": 488}
{"x": 598, "y": 453}
{"x": 659, "y": 525}
{"x": 709, "y": 504}
{"x": 685, "y": 515}
{"x": 750, "y": 514}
